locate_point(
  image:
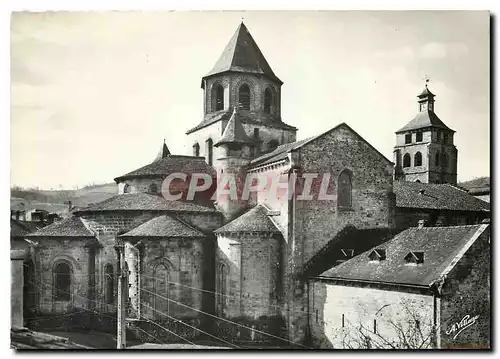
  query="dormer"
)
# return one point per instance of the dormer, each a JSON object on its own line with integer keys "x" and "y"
{"x": 345, "y": 254}
{"x": 414, "y": 258}
{"x": 377, "y": 255}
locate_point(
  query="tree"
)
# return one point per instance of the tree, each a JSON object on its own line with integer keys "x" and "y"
{"x": 412, "y": 329}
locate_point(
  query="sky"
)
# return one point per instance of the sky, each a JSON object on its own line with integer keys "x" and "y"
{"x": 94, "y": 94}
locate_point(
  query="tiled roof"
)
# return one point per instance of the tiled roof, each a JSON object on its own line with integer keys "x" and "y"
{"x": 281, "y": 152}
{"x": 171, "y": 164}
{"x": 69, "y": 227}
{"x": 243, "y": 55}
{"x": 163, "y": 226}
{"x": 255, "y": 220}
{"x": 234, "y": 132}
{"x": 424, "y": 119}
{"x": 244, "y": 117}
{"x": 475, "y": 191}
{"x": 440, "y": 246}
{"x": 146, "y": 202}
{"x": 436, "y": 196}
{"x": 164, "y": 152}
{"x": 426, "y": 92}
{"x": 17, "y": 229}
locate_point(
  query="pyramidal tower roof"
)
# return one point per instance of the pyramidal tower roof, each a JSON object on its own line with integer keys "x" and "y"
{"x": 234, "y": 132}
{"x": 426, "y": 118}
{"x": 164, "y": 152}
{"x": 242, "y": 55}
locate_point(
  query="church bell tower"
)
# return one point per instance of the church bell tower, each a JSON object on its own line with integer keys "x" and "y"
{"x": 424, "y": 150}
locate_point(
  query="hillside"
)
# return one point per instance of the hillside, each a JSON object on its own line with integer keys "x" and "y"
{"x": 476, "y": 182}
{"x": 57, "y": 201}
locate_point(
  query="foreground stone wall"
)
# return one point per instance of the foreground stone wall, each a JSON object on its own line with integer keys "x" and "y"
{"x": 352, "y": 317}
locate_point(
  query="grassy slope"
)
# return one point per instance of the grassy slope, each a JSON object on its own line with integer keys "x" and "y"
{"x": 56, "y": 201}
{"x": 476, "y": 182}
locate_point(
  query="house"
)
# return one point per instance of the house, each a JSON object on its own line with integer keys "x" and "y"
{"x": 427, "y": 287}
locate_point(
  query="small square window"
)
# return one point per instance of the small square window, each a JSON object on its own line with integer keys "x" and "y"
{"x": 419, "y": 136}
{"x": 408, "y": 138}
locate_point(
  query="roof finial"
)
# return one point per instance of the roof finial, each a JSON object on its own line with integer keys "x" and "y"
{"x": 427, "y": 79}
{"x": 242, "y": 18}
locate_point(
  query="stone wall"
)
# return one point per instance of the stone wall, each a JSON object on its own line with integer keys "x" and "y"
{"x": 318, "y": 221}
{"x": 361, "y": 317}
{"x": 253, "y": 273}
{"x": 73, "y": 251}
{"x": 466, "y": 292}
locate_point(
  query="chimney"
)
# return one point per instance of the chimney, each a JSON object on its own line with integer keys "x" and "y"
{"x": 69, "y": 206}
{"x": 421, "y": 223}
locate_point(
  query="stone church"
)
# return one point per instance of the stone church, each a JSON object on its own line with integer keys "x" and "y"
{"x": 239, "y": 269}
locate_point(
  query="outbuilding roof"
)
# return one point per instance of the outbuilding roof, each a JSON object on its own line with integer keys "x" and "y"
{"x": 436, "y": 196}
{"x": 440, "y": 247}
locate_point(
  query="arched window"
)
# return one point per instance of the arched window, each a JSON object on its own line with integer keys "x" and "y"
{"x": 437, "y": 159}
{"x": 244, "y": 97}
{"x": 196, "y": 149}
{"x": 418, "y": 159}
{"x": 344, "y": 190}
{"x": 222, "y": 288}
{"x": 218, "y": 98}
{"x": 418, "y": 181}
{"x": 109, "y": 283}
{"x": 62, "y": 281}
{"x": 272, "y": 145}
{"x": 162, "y": 288}
{"x": 407, "y": 160}
{"x": 268, "y": 100}
{"x": 209, "y": 151}
{"x": 153, "y": 188}
{"x": 126, "y": 188}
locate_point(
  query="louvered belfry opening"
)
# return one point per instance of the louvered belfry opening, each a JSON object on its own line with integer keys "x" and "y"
{"x": 244, "y": 97}
{"x": 219, "y": 98}
{"x": 268, "y": 100}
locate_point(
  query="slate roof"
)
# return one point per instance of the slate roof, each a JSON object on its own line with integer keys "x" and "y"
{"x": 436, "y": 196}
{"x": 17, "y": 229}
{"x": 254, "y": 220}
{"x": 281, "y": 152}
{"x": 69, "y": 227}
{"x": 439, "y": 244}
{"x": 234, "y": 132}
{"x": 146, "y": 202}
{"x": 475, "y": 191}
{"x": 164, "y": 152}
{"x": 424, "y": 119}
{"x": 171, "y": 164}
{"x": 242, "y": 54}
{"x": 244, "y": 117}
{"x": 163, "y": 226}
{"x": 426, "y": 93}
